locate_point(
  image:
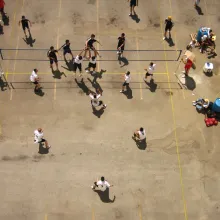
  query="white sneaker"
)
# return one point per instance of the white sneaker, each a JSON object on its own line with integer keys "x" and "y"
{"x": 130, "y": 14}
{"x": 105, "y": 106}
{"x": 92, "y": 187}
{"x": 164, "y": 38}
{"x": 87, "y": 71}
{"x": 183, "y": 76}
{"x": 121, "y": 91}
{"x": 94, "y": 72}
{"x": 183, "y": 71}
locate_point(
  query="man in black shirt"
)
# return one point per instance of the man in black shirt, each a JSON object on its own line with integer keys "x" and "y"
{"x": 121, "y": 45}
{"x": 89, "y": 45}
{"x": 52, "y": 57}
{"x": 168, "y": 26}
{"x": 66, "y": 49}
{"x": 25, "y": 24}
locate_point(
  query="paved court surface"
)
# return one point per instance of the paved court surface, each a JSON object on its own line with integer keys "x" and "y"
{"x": 177, "y": 176}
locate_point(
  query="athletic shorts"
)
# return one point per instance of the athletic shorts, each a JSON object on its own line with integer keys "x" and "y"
{"x": 25, "y": 26}
{"x": 133, "y": 3}
{"x": 90, "y": 47}
{"x": 66, "y": 51}
{"x": 35, "y": 82}
{"x": 168, "y": 28}
{"x": 53, "y": 60}
{"x": 77, "y": 66}
{"x": 148, "y": 74}
{"x": 100, "y": 103}
{"x": 125, "y": 84}
{"x": 42, "y": 141}
{"x": 122, "y": 48}
{"x": 92, "y": 65}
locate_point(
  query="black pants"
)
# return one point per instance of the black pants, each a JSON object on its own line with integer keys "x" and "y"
{"x": 77, "y": 66}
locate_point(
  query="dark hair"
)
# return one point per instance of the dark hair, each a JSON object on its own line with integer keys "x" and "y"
{"x": 123, "y": 34}
{"x": 188, "y": 47}
{"x": 80, "y": 57}
{"x": 93, "y": 57}
{"x": 210, "y": 30}
{"x": 67, "y": 41}
{"x": 35, "y": 70}
{"x": 23, "y": 17}
{"x": 151, "y": 63}
{"x": 51, "y": 48}
{"x": 94, "y": 96}
{"x": 92, "y": 35}
{"x": 141, "y": 129}
{"x": 128, "y": 73}
{"x": 102, "y": 178}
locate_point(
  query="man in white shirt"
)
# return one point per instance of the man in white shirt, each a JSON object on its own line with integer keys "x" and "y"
{"x": 150, "y": 71}
{"x": 139, "y": 135}
{"x": 92, "y": 64}
{"x": 38, "y": 137}
{"x": 102, "y": 184}
{"x": 78, "y": 63}
{"x": 95, "y": 102}
{"x": 127, "y": 79}
{"x": 35, "y": 80}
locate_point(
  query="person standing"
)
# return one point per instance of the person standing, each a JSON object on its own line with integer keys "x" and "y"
{"x": 25, "y": 24}
{"x": 127, "y": 79}
{"x": 133, "y": 4}
{"x": 35, "y": 80}
{"x": 38, "y": 137}
{"x": 121, "y": 45}
{"x": 150, "y": 71}
{"x": 95, "y": 102}
{"x": 66, "y": 49}
{"x": 89, "y": 45}
{"x": 2, "y": 6}
{"x": 196, "y": 3}
{"x": 139, "y": 135}
{"x": 101, "y": 183}
{"x": 92, "y": 64}
{"x": 78, "y": 63}
{"x": 53, "y": 57}
{"x": 168, "y": 27}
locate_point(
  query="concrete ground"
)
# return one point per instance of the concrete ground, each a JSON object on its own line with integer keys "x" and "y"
{"x": 177, "y": 176}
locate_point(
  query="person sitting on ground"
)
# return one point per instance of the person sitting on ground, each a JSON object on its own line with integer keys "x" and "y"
{"x": 139, "y": 135}
{"x": 201, "y": 104}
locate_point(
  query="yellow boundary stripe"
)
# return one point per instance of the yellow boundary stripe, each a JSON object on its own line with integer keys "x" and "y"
{"x": 45, "y": 217}
{"x": 175, "y": 132}
{"x": 70, "y": 73}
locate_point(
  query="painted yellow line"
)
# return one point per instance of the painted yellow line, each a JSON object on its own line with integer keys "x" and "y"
{"x": 140, "y": 212}
{"x": 70, "y": 73}
{"x": 93, "y": 214}
{"x": 137, "y": 47}
{"x": 45, "y": 217}
{"x": 175, "y": 132}
{"x": 97, "y": 29}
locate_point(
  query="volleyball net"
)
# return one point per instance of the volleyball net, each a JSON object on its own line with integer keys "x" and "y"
{"x": 40, "y": 55}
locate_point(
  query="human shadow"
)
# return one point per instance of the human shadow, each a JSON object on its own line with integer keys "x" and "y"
{"x": 190, "y": 83}
{"x": 69, "y": 64}
{"x": 135, "y": 18}
{"x": 96, "y": 85}
{"x": 29, "y": 40}
{"x": 208, "y": 74}
{"x": 98, "y": 112}
{"x": 199, "y": 10}
{"x": 170, "y": 41}
{"x": 39, "y": 92}
{"x": 83, "y": 86}
{"x": 123, "y": 61}
{"x": 5, "y": 19}
{"x": 42, "y": 149}
{"x": 152, "y": 85}
{"x": 104, "y": 196}
{"x": 141, "y": 144}
{"x": 98, "y": 75}
{"x": 128, "y": 92}
{"x": 57, "y": 74}
{"x": 3, "y": 85}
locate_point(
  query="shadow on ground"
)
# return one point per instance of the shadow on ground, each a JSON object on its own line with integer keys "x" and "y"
{"x": 142, "y": 145}
{"x": 128, "y": 92}
{"x": 152, "y": 85}
{"x": 57, "y": 74}
{"x": 135, "y": 18}
{"x": 42, "y": 149}
{"x": 104, "y": 196}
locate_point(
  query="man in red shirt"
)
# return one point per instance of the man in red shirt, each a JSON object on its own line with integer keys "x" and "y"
{"x": 2, "y": 4}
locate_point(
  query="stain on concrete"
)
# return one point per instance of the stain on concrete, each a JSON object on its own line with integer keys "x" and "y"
{"x": 76, "y": 18}
{"x": 91, "y": 2}
{"x": 113, "y": 21}
{"x": 39, "y": 17}
{"x": 190, "y": 21}
{"x": 16, "y": 158}
{"x": 118, "y": 214}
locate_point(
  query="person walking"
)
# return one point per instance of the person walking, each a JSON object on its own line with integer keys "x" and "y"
{"x": 78, "y": 63}
{"x": 101, "y": 183}
{"x": 25, "y": 25}
{"x": 139, "y": 135}
{"x": 2, "y": 6}
{"x": 38, "y": 138}
{"x": 121, "y": 45}
{"x": 168, "y": 27}
{"x": 66, "y": 49}
{"x": 53, "y": 57}
{"x": 89, "y": 45}
{"x": 127, "y": 79}
{"x": 95, "y": 102}
{"x": 133, "y": 4}
{"x": 92, "y": 64}
{"x": 150, "y": 71}
{"x": 35, "y": 80}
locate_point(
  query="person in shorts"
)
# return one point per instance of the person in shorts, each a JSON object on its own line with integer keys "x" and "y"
{"x": 133, "y": 4}
{"x": 91, "y": 65}
{"x": 35, "y": 80}
{"x": 38, "y": 138}
{"x": 95, "y": 102}
{"x": 150, "y": 71}
{"x": 139, "y": 135}
{"x": 89, "y": 45}
{"x": 168, "y": 27}
{"x": 127, "y": 79}
{"x": 25, "y": 24}
{"x": 121, "y": 45}
{"x": 78, "y": 63}
{"x": 101, "y": 183}
{"x": 66, "y": 49}
{"x": 52, "y": 55}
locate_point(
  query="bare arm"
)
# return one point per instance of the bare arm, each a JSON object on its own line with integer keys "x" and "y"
{"x": 81, "y": 52}
{"x": 19, "y": 23}
{"x": 30, "y": 23}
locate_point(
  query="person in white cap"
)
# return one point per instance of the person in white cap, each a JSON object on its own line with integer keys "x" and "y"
{"x": 101, "y": 183}
{"x": 139, "y": 135}
{"x": 38, "y": 137}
